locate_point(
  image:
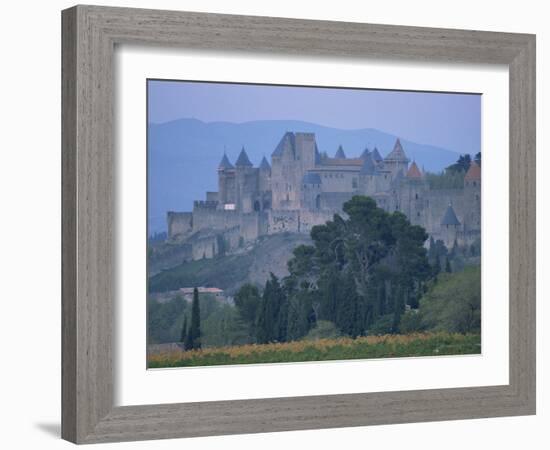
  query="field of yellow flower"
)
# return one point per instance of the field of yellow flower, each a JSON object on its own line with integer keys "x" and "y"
{"x": 388, "y": 346}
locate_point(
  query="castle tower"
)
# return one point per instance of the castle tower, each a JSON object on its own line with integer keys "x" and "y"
{"x": 450, "y": 226}
{"x": 264, "y": 185}
{"x": 367, "y": 175}
{"x": 376, "y": 156}
{"x": 397, "y": 159}
{"x": 246, "y": 183}
{"x": 472, "y": 196}
{"x": 311, "y": 191}
{"x": 295, "y": 154}
{"x": 365, "y": 153}
{"x": 413, "y": 195}
{"x": 282, "y": 165}
{"x": 226, "y": 182}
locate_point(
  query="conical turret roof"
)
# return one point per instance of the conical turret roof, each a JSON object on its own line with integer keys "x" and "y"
{"x": 376, "y": 155}
{"x": 397, "y": 154}
{"x": 368, "y": 168}
{"x": 365, "y": 153}
{"x": 414, "y": 172}
{"x": 225, "y": 163}
{"x": 288, "y": 139}
{"x": 264, "y": 165}
{"x": 242, "y": 160}
{"x": 340, "y": 153}
{"x": 449, "y": 218}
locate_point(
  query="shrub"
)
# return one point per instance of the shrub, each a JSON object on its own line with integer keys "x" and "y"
{"x": 323, "y": 330}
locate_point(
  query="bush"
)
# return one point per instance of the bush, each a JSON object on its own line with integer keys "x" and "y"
{"x": 453, "y": 304}
{"x": 384, "y": 325}
{"x": 411, "y": 322}
{"x": 323, "y": 330}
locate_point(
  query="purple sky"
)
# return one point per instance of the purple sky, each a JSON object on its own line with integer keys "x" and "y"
{"x": 451, "y": 121}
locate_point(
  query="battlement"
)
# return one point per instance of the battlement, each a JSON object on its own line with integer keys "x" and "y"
{"x": 205, "y": 204}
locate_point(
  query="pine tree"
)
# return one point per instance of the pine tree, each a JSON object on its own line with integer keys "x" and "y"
{"x": 437, "y": 266}
{"x": 273, "y": 314}
{"x": 184, "y": 330}
{"x": 431, "y": 249}
{"x": 448, "y": 265}
{"x": 193, "y": 340}
{"x": 346, "y": 315}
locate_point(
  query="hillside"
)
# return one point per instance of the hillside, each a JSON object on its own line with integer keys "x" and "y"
{"x": 184, "y": 154}
{"x": 229, "y": 272}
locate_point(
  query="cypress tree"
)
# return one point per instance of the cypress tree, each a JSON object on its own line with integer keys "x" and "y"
{"x": 448, "y": 265}
{"x": 437, "y": 267}
{"x": 184, "y": 330}
{"x": 346, "y": 316}
{"x": 193, "y": 340}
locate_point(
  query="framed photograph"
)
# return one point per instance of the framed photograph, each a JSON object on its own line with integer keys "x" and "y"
{"x": 278, "y": 224}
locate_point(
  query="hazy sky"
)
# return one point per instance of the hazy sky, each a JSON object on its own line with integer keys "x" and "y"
{"x": 451, "y": 121}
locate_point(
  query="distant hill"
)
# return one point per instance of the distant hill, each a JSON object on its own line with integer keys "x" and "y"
{"x": 184, "y": 155}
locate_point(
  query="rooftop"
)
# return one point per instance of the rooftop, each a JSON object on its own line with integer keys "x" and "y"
{"x": 340, "y": 153}
{"x": 264, "y": 165}
{"x": 243, "y": 160}
{"x": 414, "y": 172}
{"x": 225, "y": 163}
{"x": 397, "y": 154}
{"x": 289, "y": 140}
{"x": 449, "y": 218}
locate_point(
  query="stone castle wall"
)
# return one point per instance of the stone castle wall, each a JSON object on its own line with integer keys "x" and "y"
{"x": 303, "y": 188}
{"x": 179, "y": 223}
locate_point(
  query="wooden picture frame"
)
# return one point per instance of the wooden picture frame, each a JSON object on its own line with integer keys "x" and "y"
{"x": 90, "y": 34}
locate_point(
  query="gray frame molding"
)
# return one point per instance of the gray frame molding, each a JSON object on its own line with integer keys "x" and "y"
{"x": 89, "y": 36}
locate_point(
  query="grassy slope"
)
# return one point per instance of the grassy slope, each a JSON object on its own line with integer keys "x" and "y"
{"x": 388, "y": 346}
{"x": 231, "y": 271}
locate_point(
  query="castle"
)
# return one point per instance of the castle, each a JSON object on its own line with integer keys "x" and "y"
{"x": 302, "y": 188}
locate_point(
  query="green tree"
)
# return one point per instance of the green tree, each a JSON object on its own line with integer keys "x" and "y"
{"x": 461, "y": 165}
{"x": 454, "y": 303}
{"x": 448, "y": 268}
{"x": 184, "y": 330}
{"x": 193, "y": 340}
{"x": 366, "y": 265}
{"x": 271, "y": 320}
{"x": 347, "y": 318}
{"x": 477, "y": 159}
{"x": 248, "y": 301}
{"x": 300, "y": 314}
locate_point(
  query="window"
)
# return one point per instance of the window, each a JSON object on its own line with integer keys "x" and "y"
{"x": 416, "y": 196}
{"x": 354, "y": 183}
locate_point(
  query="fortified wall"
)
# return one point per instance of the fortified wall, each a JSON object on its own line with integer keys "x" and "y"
{"x": 302, "y": 188}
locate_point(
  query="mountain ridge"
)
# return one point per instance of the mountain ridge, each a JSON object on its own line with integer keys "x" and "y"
{"x": 183, "y": 155}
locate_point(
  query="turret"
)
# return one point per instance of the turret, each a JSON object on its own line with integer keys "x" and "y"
{"x": 376, "y": 156}
{"x": 450, "y": 226}
{"x": 367, "y": 175}
{"x": 340, "y": 153}
{"x": 246, "y": 182}
{"x": 226, "y": 181}
{"x": 397, "y": 159}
